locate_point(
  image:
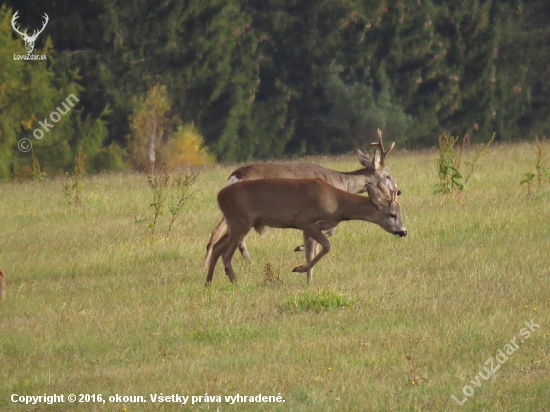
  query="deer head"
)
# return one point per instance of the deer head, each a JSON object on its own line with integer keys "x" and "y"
{"x": 388, "y": 208}
{"x": 29, "y": 40}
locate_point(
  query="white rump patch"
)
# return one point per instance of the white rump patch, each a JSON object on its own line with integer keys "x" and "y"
{"x": 231, "y": 180}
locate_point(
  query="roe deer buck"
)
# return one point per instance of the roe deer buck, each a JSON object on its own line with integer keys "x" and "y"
{"x": 375, "y": 170}
{"x": 310, "y": 205}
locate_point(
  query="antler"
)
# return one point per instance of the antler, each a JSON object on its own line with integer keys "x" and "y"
{"x": 393, "y": 195}
{"x": 35, "y": 33}
{"x": 383, "y": 153}
{"x": 389, "y": 190}
{"x": 13, "y": 19}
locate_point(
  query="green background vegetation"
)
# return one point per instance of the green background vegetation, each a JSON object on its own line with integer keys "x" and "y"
{"x": 261, "y": 79}
{"x": 94, "y": 305}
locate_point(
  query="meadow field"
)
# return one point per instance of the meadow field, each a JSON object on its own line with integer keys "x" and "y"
{"x": 95, "y": 306}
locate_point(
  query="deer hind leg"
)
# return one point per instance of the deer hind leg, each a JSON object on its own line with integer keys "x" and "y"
{"x": 217, "y": 233}
{"x": 215, "y": 236}
{"x": 236, "y": 239}
{"x": 244, "y": 251}
{"x": 328, "y": 233}
{"x": 219, "y": 247}
{"x": 316, "y": 234}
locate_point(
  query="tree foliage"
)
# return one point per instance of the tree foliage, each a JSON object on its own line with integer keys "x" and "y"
{"x": 269, "y": 79}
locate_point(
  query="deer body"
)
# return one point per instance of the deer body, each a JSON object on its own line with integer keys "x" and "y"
{"x": 354, "y": 182}
{"x": 310, "y": 205}
{"x": 374, "y": 171}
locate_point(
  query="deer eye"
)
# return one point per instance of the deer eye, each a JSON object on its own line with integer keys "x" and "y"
{"x": 388, "y": 177}
{"x": 393, "y": 216}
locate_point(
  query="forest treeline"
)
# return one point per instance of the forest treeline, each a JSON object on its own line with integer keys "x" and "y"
{"x": 253, "y": 79}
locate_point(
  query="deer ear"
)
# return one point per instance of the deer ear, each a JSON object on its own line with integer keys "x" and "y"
{"x": 375, "y": 196}
{"x": 376, "y": 165}
{"x": 364, "y": 159}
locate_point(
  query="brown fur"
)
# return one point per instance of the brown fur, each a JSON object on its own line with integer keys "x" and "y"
{"x": 2, "y": 284}
{"x": 310, "y": 205}
{"x": 354, "y": 182}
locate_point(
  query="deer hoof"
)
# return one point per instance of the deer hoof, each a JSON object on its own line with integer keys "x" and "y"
{"x": 300, "y": 269}
{"x": 299, "y": 248}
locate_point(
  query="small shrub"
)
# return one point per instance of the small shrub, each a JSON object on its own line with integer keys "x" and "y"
{"x": 528, "y": 180}
{"x": 413, "y": 377}
{"x": 185, "y": 148}
{"x": 450, "y": 177}
{"x": 540, "y": 163}
{"x": 270, "y": 277}
{"x": 450, "y": 171}
{"x": 540, "y": 167}
{"x": 72, "y": 186}
{"x": 179, "y": 194}
{"x": 472, "y": 165}
{"x": 36, "y": 169}
{"x": 30, "y": 171}
{"x": 319, "y": 301}
{"x": 170, "y": 191}
{"x": 159, "y": 184}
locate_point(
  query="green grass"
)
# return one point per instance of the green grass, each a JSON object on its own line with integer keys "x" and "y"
{"x": 318, "y": 301}
{"x": 95, "y": 306}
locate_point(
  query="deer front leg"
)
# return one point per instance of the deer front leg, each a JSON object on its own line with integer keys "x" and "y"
{"x": 328, "y": 233}
{"x": 316, "y": 234}
{"x": 311, "y": 247}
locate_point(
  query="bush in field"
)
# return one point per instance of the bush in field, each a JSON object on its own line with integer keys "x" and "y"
{"x": 170, "y": 191}
{"x": 185, "y": 147}
{"x": 540, "y": 166}
{"x": 72, "y": 186}
{"x": 452, "y": 175}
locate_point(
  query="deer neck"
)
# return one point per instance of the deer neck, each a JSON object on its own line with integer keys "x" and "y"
{"x": 352, "y": 182}
{"x": 355, "y": 207}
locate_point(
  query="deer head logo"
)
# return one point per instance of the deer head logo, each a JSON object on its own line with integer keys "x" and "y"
{"x": 29, "y": 40}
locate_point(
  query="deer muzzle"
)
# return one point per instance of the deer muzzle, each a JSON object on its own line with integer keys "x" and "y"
{"x": 401, "y": 233}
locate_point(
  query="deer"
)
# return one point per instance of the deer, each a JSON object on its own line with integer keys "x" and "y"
{"x": 29, "y": 40}
{"x": 374, "y": 170}
{"x": 309, "y": 205}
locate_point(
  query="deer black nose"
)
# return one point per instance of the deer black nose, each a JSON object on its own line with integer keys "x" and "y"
{"x": 399, "y": 192}
{"x": 402, "y": 233}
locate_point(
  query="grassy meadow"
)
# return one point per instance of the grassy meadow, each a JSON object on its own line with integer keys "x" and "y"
{"x": 94, "y": 306}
